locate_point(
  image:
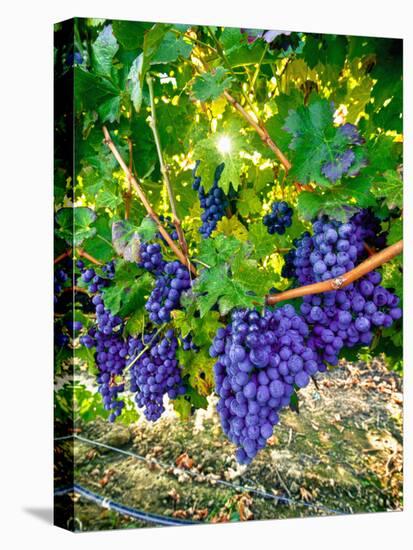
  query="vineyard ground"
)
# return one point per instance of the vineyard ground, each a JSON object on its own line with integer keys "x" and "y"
{"x": 343, "y": 451}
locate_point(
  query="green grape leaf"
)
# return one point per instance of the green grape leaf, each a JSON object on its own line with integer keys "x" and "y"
{"x": 128, "y": 294}
{"x": 218, "y": 250}
{"x": 182, "y": 407}
{"x": 91, "y": 90}
{"x": 309, "y": 204}
{"x": 130, "y": 34}
{"x": 247, "y": 273}
{"x": 104, "y": 50}
{"x": 74, "y": 224}
{"x": 112, "y": 298}
{"x": 147, "y": 229}
{"x": 202, "y": 330}
{"x": 109, "y": 110}
{"x": 208, "y": 86}
{"x": 264, "y": 243}
{"x": 172, "y": 47}
{"x": 393, "y": 275}
{"x": 100, "y": 246}
{"x": 231, "y": 38}
{"x": 231, "y": 227}
{"x": 107, "y": 199}
{"x": 216, "y": 286}
{"x": 197, "y": 368}
{"x": 207, "y": 151}
{"x": 395, "y": 232}
{"x": 390, "y": 188}
{"x": 321, "y": 151}
{"x": 248, "y": 202}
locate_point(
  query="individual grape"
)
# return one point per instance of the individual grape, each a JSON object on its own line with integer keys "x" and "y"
{"x": 279, "y": 218}
{"x": 259, "y": 358}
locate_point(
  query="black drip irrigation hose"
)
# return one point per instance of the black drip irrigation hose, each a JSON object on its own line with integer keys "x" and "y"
{"x": 121, "y": 508}
{"x": 238, "y": 488}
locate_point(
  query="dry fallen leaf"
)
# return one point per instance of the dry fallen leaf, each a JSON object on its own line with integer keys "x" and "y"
{"x": 184, "y": 461}
{"x": 244, "y": 510}
{"x": 182, "y": 514}
{"x": 107, "y": 475}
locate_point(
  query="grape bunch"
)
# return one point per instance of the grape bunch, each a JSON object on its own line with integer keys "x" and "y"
{"x": 188, "y": 344}
{"x": 155, "y": 373}
{"x": 260, "y": 357}
{"x": 167, "y": 293}
{"x": 214, "y": 202}
{"x": 334, "y": 248}
{"x": 106, "y": 337}
{"x": 279, "y": 218}
{"x": 111, "y": 352}
{"x": 151, "y": 258}
{"x": 348, "y": 317}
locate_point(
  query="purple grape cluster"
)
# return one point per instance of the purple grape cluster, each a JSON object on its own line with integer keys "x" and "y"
{"x": 96, "y": 282}
{"x": 166, "y": 295}
{"x": 279, "y": 218}
{"x": 334, "y": 248}
{"x": 368, "y": 228}
{"x": 111, "y": 352}
{"x": 296, "y": 261}
{"x": 106, "y": 337}
{"x": 260, "y": 357}
{"x": 155, "y": 373}
{"x": 151, "y": 258}
{"x": 348, "y": 317}
{"x": 188, "y": 344}
{"x": 214, "y": 202}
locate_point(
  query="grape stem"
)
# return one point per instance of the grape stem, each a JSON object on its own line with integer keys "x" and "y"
{"x": 257, "y": 124}
{"x": 260, "y": 129}
{"x": 128, "y": 193}
{"x": 141, "y": 194}
{"x": 80, "y": 252}
{"x": 61, "y": 257}
{"x": 337, "y": 283}
{"x": 130, "y": 365}
{"x": 164, "y": 170}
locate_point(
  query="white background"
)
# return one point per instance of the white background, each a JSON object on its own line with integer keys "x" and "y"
{"x": 26, "y": 271}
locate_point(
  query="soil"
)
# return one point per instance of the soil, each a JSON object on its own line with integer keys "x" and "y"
{"x": 342, "y": 453}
